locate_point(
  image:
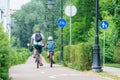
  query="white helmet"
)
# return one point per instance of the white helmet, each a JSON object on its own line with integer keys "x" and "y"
{"x": 50, "y": 38}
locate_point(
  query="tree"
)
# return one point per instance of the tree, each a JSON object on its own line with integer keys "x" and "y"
{"x": 26, "y": 18}
{"x": 4, "y": 55}
{"x": 81, "y": 22}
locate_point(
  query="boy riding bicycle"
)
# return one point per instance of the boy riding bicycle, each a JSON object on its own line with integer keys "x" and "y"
{"x": 51, "y": 46}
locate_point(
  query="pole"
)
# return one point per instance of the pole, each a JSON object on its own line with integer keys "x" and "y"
{"x": 61, "y": 56}
{"x": 8, "y": 19}
{"x": 104, "y": 49}
{"x": 70, "y": 22}
{"x": 96, "y": 52}
{"x": 1, "y": 15}
{"x": 53, "y": 26}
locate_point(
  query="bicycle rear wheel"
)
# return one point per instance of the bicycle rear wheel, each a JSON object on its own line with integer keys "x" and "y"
{"x": 37, "y": 60}
{"x": 51, "y": 61}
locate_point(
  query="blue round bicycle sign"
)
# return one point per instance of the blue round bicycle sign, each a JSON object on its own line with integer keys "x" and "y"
{"x": 104, "y": 25}
{"x": 62, "y": 23}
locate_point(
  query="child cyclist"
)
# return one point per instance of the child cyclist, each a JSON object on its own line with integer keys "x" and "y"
{"x": 51, "y": 46}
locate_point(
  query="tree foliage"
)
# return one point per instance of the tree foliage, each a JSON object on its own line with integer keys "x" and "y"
{"x": 81, "y": 22}
{"x": 4, "y": 54}
{"x": 29, "y": 16}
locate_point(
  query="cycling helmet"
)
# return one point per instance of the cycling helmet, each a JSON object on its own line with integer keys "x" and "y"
{"x": 50, "y": 38}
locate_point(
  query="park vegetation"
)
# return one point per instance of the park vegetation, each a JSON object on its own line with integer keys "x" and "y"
{"x": 36, "y": 14}
{"x": 10, "y": 56}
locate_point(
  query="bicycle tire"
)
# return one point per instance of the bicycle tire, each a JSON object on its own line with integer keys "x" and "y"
{"x": 51, "y": 61}
{"x": 37, "y": 59}
{"x": 38, "y": 63}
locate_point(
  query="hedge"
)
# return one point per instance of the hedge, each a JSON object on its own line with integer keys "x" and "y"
{"x": 19, "y": 56}
{"x": 116, "y": 57}
{"x": 78, "y": 56}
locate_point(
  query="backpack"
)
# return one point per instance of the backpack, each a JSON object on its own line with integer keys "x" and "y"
{"x": 38, "y": 37}
{"x": 50, "y": 45}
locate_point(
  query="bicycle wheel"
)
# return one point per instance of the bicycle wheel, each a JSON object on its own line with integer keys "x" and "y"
{"x": 38, "y": 59}
{"x": 51, "y": 61}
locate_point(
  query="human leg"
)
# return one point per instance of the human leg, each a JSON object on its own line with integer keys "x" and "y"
{"x": 40, "y": 53}
{"x": 48, "y": 55}
{"x": 34, "y": 52}
{"x": 41, "y": 60}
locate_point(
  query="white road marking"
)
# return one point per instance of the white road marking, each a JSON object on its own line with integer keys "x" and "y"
{"x": 52, "y": 76}
{"x": 42, "y": 72}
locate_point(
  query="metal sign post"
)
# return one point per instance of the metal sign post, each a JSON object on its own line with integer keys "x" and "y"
{"x": 104, "y": 25}
{"x": 70, "y": 11}
{"x": 61, "y": 23}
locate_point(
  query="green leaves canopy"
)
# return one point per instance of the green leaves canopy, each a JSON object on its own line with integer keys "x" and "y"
{"x": 30, "y": 15}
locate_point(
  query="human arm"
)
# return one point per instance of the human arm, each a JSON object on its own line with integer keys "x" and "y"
{"x": 43, "y": 40}
{"x": 32, "y": 40}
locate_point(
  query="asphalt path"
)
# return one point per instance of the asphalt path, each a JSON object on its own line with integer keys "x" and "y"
{"x": 28, "y": 71}
{"x": 111, "y": 70}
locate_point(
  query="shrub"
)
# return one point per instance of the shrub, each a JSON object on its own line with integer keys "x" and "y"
{"x": 117, "y": 53}
{"x": 4, "y": 55}
{"x": 8, "y": 56}
{"x": 19, "y": 56}
{"x": 78, "y": 56}
{"x": 57, "y": 56}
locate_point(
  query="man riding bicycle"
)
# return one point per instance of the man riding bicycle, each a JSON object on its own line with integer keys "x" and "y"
{"x": 37, "y": 40}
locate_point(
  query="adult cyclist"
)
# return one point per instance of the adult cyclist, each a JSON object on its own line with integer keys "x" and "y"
{"x": 37, "y": 40}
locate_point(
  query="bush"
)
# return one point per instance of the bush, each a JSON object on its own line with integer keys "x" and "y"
{"x": 4, "y": 55}
{"x": 8, "y": 56}
{"x": 19, "y": 56}
{"x": 116, "y": 57}
{"x": 57, "y": 56}
{"x": 44, "y": 53}
{"x": 78, "y": 56}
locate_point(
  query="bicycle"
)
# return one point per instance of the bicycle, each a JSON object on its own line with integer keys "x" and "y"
{"x": 50, "y": 57}
{"x": 37, "y": 58}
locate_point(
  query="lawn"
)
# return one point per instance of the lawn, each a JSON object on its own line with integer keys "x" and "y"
{"x": 112, "y": 65}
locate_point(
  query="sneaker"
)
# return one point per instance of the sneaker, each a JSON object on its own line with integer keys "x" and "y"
{"x": 41, "y": 64}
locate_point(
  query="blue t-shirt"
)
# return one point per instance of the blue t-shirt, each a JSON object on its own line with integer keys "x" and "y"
{"x": 50, "y": 45}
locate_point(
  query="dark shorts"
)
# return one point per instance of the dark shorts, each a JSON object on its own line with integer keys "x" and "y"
{"x": 39, "y": 48}
{"x": 52, "y": 52}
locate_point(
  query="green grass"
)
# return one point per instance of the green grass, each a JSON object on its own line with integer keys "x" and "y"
{"x": 104, "y": 74}
{"x": 113, "y": 65}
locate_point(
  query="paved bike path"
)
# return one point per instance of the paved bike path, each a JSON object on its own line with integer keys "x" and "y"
{"x": 28, "y": 71}
{"x": 111, "y": 70}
